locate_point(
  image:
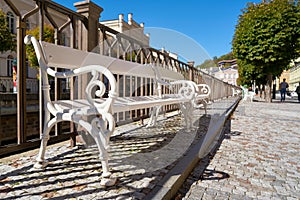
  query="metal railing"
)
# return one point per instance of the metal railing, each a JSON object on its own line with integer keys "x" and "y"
{"x": 81, "y": 27}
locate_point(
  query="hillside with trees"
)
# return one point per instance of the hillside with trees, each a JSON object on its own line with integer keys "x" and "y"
{"x": 215, "y": 60}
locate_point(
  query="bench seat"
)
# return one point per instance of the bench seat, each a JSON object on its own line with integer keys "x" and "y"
{"x": 121, "y": 104}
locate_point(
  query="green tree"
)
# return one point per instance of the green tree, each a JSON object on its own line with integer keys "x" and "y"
{"x": 48, "y": 37}
{"x": 267, "y": 38}
{"x": 214, "y": 62}
{"x": 228, "y": 56}
{"x": 207, "y": 64}
{"x": 7, "y": 40}
{"x": 248, "y": 73}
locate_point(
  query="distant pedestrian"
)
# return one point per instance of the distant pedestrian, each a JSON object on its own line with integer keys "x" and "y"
{"x": 283, "y": 86}
{"x": 298, "y": 91}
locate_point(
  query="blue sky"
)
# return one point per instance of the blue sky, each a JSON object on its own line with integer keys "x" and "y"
{"x": 204, "y": 27}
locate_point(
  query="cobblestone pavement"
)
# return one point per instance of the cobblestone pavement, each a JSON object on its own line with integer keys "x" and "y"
{"x": 258, "y": 159}
{"x": 140, "y": 158}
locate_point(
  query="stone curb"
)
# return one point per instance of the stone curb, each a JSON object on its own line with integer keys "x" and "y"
{"x": 167, "y": 188}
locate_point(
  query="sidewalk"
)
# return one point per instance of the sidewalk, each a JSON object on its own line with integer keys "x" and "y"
{"x": 143, "y": 160}
{"x": 258, "y": 159}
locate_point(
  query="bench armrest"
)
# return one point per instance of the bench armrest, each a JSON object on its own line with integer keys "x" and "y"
{"x": 203, "y": 90}
{"x": 186, "y": 88}
{"x": 94, "y": 82}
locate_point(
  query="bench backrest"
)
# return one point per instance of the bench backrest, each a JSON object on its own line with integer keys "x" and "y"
{"x": 69, "y": 58}
{"x": 51, "y": 55}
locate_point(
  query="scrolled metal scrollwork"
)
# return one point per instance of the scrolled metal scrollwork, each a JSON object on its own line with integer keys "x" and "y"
{"x": 203, "y": 89}
{"x": 187, "y": 90}
{"x": 101, "y": 89}
{"x": 94, "y": 82}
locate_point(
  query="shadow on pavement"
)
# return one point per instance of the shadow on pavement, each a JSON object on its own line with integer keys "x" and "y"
{"x": 211, "y": 174}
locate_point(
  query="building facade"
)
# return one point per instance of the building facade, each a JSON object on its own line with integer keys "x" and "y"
{"x": 130, "y": 28}
{"x": 229, "y": 75}
{"x": 8, "y": 58}
{"x": 292, "y": 76}
{"x": 226, "y": 71}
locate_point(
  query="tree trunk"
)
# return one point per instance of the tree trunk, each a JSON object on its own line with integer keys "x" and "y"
{"x": 269, "y": 88}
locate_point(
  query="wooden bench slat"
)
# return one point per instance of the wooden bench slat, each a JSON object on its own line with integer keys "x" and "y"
{"x": 121, "y": 104}
{"x": 69, "y": 58}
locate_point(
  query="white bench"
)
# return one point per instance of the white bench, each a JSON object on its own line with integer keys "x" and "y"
{"x": 202, "y": 96}
{"x": 247, "y": 94}
{"x": 95, "y": 113}
{"x": 235, "y": 92}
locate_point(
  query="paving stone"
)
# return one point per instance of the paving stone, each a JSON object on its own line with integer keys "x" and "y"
{"x": 262, "y": 160}
{"x": 257, "y": 159}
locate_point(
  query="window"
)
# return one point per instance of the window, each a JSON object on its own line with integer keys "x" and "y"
{"x": 11, "y": 22}
{"x": 9, "y": 64}
{"x": 27, "y": 24}
{"x": 63, "y": 39}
